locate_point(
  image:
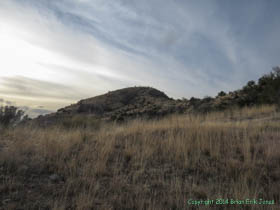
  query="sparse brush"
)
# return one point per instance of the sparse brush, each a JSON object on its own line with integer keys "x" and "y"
{"x": 156, "y": 164}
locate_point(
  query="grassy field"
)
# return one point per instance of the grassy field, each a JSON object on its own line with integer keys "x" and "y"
{"x": 159, "y": 164}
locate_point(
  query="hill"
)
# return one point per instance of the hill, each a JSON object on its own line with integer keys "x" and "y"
{"x": 132, "y": 101}
{"x": 148, "y": 103}
{"x": 118, "y": 105}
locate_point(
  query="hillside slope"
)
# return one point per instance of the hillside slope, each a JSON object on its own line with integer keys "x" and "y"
{"x": 146, "y": 102}
{"x": 118, "y": 105}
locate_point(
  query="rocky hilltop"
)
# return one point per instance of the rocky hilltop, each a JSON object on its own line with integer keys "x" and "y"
{"x": 119, "y": 105}
{"x": 127, "y": 102}
{"x": 146, "y": 102}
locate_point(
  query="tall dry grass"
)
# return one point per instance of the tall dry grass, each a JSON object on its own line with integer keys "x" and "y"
{"x": 145, "y": 164}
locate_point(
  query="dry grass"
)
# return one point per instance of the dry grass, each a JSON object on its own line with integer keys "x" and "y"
{"x": 144, "y": 164}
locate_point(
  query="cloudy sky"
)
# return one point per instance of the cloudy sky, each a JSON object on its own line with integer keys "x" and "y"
{"x": 54, "y": 53}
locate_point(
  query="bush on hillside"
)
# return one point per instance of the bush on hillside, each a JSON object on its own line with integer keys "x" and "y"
{"x": 11, "y": 116}
{"x": 266, "y": 91}
{"x": 221, "y": 94}
{"x": 269, "y": 87}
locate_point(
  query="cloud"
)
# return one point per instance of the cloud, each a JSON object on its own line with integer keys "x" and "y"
{"x": 34, "y": 112}
{"x": 33, "y": 88}
{"x": 66, "y": 50}
{"x": 4, "y": 102}
{"x": 196, "y": 36}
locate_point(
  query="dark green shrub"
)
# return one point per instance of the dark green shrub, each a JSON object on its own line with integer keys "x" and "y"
{"x": 11, "y": 116}
{"x": 222, "y": 93}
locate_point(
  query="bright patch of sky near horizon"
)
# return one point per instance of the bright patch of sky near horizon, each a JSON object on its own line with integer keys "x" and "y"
{"x": 54, "y": 53}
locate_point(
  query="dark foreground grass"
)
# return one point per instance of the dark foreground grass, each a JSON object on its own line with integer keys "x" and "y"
{"x": 145, "y": 164}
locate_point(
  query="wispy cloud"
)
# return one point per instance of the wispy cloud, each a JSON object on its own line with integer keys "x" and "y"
{"x": 4, "y": 102}
{"x": 69, "y": 49}
{"x": 33, "y": 88}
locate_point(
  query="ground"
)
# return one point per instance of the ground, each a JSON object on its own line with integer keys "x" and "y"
{"x": 145, "y": 164}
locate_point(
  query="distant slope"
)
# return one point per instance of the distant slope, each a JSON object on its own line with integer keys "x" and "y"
{"x": 118, "y": 105}
{"x": 147, "y": 102}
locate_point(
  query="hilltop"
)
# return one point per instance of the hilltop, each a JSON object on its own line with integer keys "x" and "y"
{"x": 149, "y": 103}
{"x": 118, "y": 105}
{"x": 133, "y": 101}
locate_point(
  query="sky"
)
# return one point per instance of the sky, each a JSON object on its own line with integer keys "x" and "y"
{"x": 54, "y": 53}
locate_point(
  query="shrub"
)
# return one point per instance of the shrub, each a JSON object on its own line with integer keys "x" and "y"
{"x": 11, "y": 116}
{"x": 222, "y": 93}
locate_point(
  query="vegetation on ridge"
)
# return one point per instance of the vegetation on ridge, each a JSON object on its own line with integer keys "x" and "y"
{"x": 149, "y": 103}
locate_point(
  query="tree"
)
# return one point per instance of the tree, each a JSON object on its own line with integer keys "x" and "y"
{"x": 269, "y": 87}
{"x": 251, "y": 84}
{"x": 222, "y": 93}
{"x": 11, "y": 116}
